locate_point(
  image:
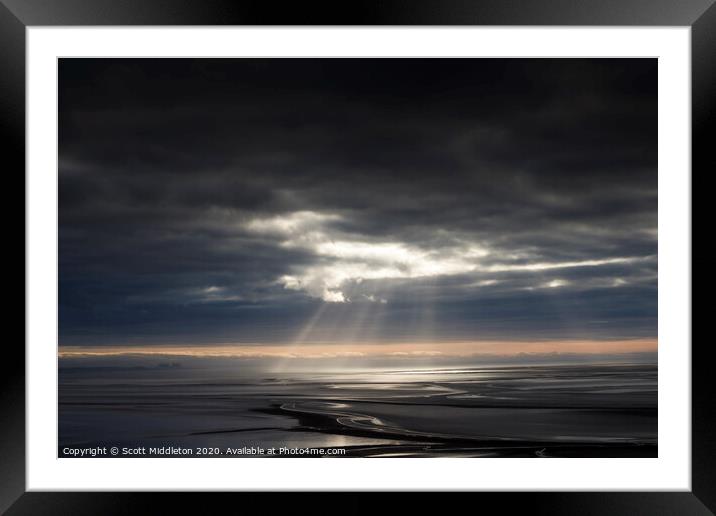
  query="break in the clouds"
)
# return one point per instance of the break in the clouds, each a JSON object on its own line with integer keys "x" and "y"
{"x": 378, "y": 200}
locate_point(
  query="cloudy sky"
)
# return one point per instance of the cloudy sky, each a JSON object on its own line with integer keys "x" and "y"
{"x": 376, "y": 201}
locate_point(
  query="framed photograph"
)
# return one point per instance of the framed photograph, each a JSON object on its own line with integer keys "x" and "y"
{"x": 441, "y": 247}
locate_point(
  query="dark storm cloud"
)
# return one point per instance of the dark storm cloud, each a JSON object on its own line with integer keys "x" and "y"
{"x": 212, "y": 200}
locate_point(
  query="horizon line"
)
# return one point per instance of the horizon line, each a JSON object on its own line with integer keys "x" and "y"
{"x": 369, "y": 350}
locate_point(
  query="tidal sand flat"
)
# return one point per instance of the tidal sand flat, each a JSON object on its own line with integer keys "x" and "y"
{"x": 594, "y": 410}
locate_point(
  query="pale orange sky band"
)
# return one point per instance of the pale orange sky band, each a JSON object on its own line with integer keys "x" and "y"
{"x": 447, "y": 349}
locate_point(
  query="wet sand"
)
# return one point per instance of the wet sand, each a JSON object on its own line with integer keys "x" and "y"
{"x": 535, "y": 411}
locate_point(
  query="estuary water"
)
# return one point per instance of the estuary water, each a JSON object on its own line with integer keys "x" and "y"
{"x": 583, "y": 410}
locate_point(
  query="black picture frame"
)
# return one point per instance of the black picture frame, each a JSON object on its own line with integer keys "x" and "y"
{"x": 17, "y": 15}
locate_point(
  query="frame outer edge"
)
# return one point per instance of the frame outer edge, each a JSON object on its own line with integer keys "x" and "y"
{"x": 366, "y": 12}
{"x": 353, "y": 503}
{"x": 703, "y": 113}
{"x": 12, "y": 392}
{"x": 12, "y": 112}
